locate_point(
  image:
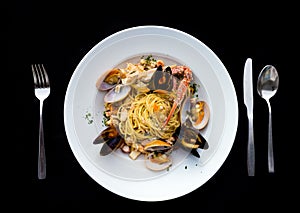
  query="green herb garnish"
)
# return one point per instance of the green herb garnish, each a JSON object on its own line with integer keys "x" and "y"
{"x": 89, "y": 118}
{"x": 148, "y": 60}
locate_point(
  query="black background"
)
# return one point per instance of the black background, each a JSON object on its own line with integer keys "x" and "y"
{"x": 60, "y": 34}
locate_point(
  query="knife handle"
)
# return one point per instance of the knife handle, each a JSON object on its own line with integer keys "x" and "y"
{"x": 250, "y": 149}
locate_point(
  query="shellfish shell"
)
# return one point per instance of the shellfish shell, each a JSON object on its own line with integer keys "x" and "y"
{"x": 160, "y": 164}
{"x": 196, "y": 111}
{"x": 157, "y": 145}
{"x": 116, "y": 94}
{"x": 109, "y": 80}
{"x": 200, "y": 114}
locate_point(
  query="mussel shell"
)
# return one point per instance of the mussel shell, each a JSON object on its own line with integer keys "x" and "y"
{"x": 195, "y": 153}
{"x": 203, "y": 144}
{"x": 157, "y": 146}
{"x": 162, "y": 80}
{"x": 106, "y": 134}
{"x": 99, "y": 139}
{"x": 191, "y": 138}
{"x": 111, "y": 145}
{"x": 159, "y": 68}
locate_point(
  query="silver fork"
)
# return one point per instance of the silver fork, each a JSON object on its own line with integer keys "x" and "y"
{"x": 42, "y": 91}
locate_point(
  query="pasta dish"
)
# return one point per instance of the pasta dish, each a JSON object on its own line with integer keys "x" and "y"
{"x": 151, "y": 109}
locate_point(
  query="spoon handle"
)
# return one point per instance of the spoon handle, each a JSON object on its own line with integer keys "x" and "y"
{"x": 270, "y": 143}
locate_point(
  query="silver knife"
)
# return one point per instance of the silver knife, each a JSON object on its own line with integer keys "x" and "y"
{"x": 248, "y": 100}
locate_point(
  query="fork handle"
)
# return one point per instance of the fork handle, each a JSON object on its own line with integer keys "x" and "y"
{"x": 42, "y": 155}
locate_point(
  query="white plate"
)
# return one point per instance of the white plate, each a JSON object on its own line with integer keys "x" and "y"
{"x": 129, "y": 178}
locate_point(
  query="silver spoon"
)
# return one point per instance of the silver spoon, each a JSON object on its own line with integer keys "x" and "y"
{"x": 267, "y": 85}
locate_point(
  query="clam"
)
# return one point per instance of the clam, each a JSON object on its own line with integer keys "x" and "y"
{"x": 158, "y": 162}
{"x": 185, "y": 110}
{"x": 199, "y": 114}
{"x": 117, "y": 93}
{"x": 158, "y": 155}
{"x": 109, "y": 80}
{"x": 196, "y": 111}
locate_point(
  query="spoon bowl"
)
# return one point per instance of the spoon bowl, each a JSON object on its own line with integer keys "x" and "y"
{"x": 268, "y": 82}
{"x": 267, "y": 86}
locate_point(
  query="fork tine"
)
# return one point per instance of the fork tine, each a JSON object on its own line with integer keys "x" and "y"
{"x": 35, "y": 80}
{"x": 40, "y": 76}
{"x": 46, "y": 82}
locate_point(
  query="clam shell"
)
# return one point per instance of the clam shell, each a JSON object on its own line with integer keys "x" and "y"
{"x": 116, "y": 94}
{"x": 152, "y": 165}
{"x": 200, "y": 123}
{"x": 185, "y": 110}
{"x": 104, "y": 86}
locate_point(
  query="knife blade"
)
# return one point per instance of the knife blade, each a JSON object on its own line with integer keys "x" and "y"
{"x": 248, "y": 101}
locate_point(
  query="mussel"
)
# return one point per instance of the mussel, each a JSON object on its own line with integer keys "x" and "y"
{"x": 191, "y": 138}
{"x": 162, "y": 79}
{"x": 111, "y": 140}
{"x": 111, "y": 145}
{"x": 157, "y": 145}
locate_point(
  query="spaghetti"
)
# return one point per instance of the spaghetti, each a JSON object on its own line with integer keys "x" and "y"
{"x": 145, "y": 116}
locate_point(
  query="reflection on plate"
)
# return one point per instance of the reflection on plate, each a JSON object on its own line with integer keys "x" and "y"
{"x": 83, "y": 114}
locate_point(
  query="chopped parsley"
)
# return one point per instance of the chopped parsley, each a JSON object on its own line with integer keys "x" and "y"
{"x": 194, "y": 88}
{"x": 148, "y": 60}
{"x": 105, "y": 119}
{"x": 89, "y": 118}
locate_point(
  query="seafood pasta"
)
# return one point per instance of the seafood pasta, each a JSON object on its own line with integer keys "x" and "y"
{"x": 149, "y": 108}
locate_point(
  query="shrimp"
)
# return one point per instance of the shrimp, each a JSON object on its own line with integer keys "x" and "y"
{"x": 185, "y": 73}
